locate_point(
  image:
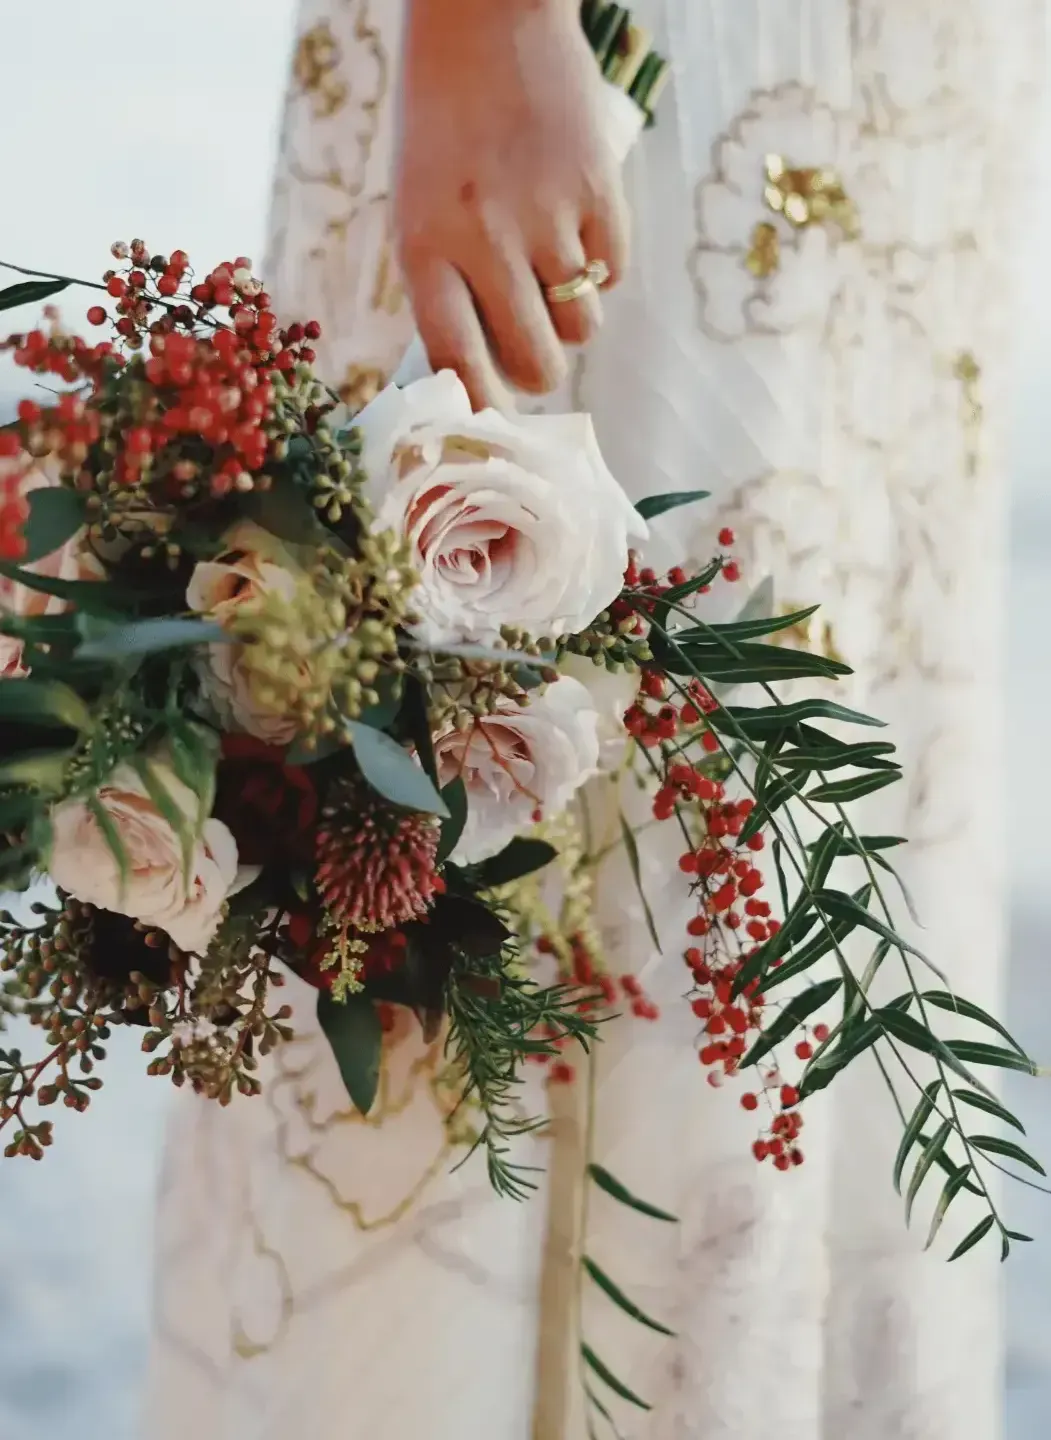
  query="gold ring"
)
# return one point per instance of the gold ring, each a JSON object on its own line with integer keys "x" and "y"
{"x": 594, "y": 274}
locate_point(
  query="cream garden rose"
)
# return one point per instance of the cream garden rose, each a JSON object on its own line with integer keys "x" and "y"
{"x": 253, "y": 566}
{"x": 158, "y": 889}
{"x": 519, "y": 764}
{"x": 512, "y": 520}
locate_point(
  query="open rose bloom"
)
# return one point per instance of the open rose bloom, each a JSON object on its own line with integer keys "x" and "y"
{"x": 163, "y": 887}
{"x": 512, "y": 520}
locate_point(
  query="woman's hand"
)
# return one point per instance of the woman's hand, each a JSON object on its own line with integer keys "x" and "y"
{"x": 506, "y": 185}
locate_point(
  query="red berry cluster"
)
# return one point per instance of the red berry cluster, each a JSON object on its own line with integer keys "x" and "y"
{"x": 603, "y": 992}
{"x": 732, "y": 920}
{"x": 206, "y": 379}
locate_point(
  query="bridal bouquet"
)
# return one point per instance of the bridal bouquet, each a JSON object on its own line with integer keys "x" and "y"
{"x": 287, "y": 690}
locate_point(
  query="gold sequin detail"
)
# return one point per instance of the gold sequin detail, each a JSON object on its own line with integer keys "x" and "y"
{"x": 815, "y": 634}
{"x": 316, "y": 68}
{"x": 360, "y": 385}
{"x": 809, "y": 196}
{"x": 764, "y": 258}
{"x": 969, "y": 373}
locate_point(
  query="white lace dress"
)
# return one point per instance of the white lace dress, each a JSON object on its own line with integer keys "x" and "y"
{"x": 839, "y": 383}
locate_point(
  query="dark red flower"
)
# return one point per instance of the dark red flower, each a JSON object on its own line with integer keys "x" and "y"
{"x": 270, "y": 807}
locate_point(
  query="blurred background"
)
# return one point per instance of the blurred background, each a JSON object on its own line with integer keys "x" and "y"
{"x": 160, "y": 121}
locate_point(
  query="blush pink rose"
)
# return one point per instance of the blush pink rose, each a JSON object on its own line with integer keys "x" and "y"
{"x": 186, "y": 902}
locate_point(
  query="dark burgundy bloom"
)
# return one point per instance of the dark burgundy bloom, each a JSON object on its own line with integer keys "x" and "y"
{"x": 269, "y": 806}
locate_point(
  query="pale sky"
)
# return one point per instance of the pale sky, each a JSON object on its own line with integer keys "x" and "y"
{"x": 157, "y": 119}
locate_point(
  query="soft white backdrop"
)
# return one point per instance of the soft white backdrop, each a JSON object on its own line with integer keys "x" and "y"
{"x": 159, "y": 120}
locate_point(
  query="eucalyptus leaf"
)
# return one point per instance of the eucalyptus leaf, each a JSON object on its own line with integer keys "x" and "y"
{"x": 352, "y": 1027}
{"x": 392, "y": 772}
{"x": 612, "y": 1186}
{"x": 519, "y": 857}
{"x": 136, "y": 638}
{"x": 455, "y": 797}
{"x": 55, "y": 516}
{"x": 653, "y": 505}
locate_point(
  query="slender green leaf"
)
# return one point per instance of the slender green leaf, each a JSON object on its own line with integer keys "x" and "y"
{"x": 518, "y": 858}
{"x": 752, "y": 627}
{"x": 771, "y": 718}
{"x": 772, "y": 799}
{"x": 859, "y": 755}
{"x": 55, "y": 516}
{"x": 993, "y": 1145}
{"x": 612, "y": 1186}
{"x": 455, "y": 796}
{"x": 163, "y": 803}
{"x": 352, "y": 1027}
{"x": 792, "y": 1016}
{"x": 632, "y": 850}
{"x": 194, "y": 754}
{"x": 44, "y": 770}
{"x": 974, "y": 1052}
{"x": 945, "y": 1000}
{"x": 16, "y": 810}
{"x": 606, "y": 1375}
{"x": 44, "y": 702}
{"x": 30, "y": 292}
{"x": 986, "y": 1103}
{"x": 855, "y": 1039}
{"x": 602, "y": 1410}
{"x": 920, "y": 1116}
{"x": 924, "y": 1163}
{"x": 839, "y": 906}
{"x": 822, "y": 856}
{"x": 911, "y": 1031}
{"x": 955, "y": 1183}
{"x": 111, "y": 835}
{"x": 1017, "y": 1235}
{"x": 392, "y": 772}
{"x": 618, "y": 1297}
{"x": 969, "y": 1241}
{"x": 653, "y": 505}
{"x": 751, "y": 663}
{"x": 843, "y": 792}
{"x": 763, "y": 964}
{"x": 830, "y": 937}
{"x": 136, "y": 638}
{"x": 860, "y": 988}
